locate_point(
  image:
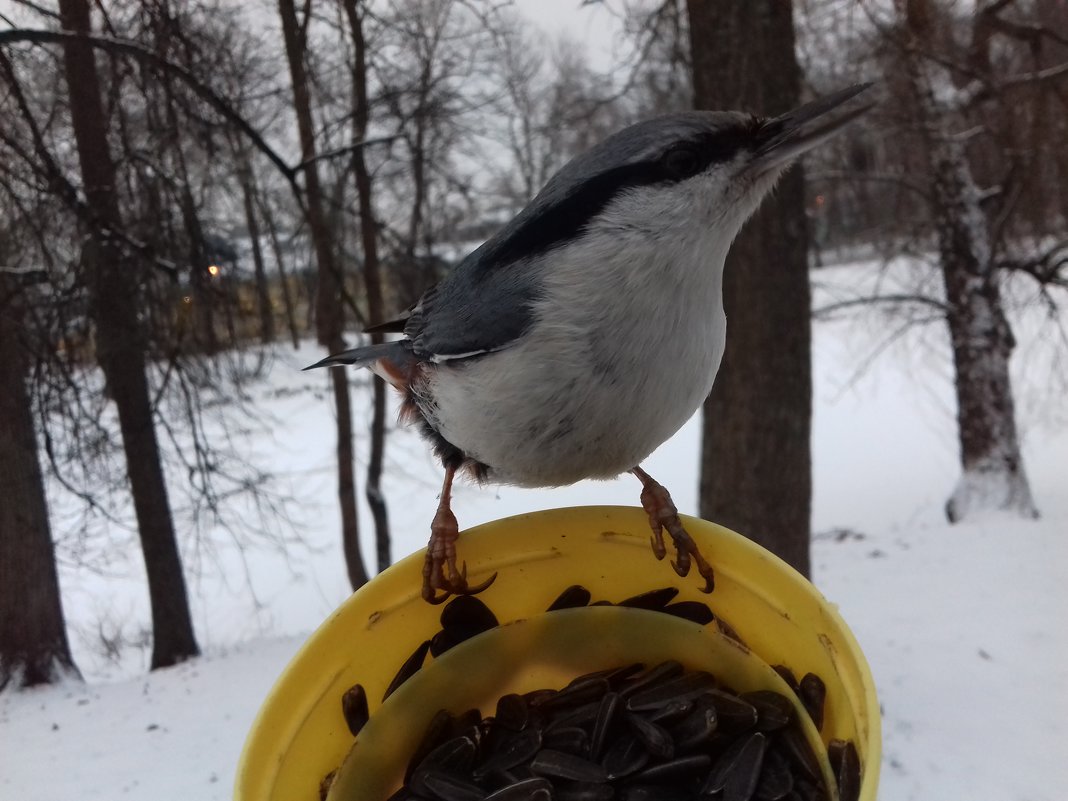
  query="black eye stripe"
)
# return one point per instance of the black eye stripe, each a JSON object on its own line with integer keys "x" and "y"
{"x": 539, "y": 230}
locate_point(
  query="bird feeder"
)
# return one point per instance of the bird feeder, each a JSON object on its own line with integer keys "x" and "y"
{"x": 772, "y": 614}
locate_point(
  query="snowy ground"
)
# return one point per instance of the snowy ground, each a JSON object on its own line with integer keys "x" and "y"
{"x": 963, "y": 626}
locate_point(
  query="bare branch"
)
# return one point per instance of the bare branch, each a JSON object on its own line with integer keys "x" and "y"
{"x": 125, "y": 47}
{"x": 825, "y": 312}
{"x": 344, "y": 151}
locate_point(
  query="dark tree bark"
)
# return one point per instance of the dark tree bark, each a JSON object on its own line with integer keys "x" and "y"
{"x": 263, "y": 293}
{"x": 372, "y": 282}
{"x": 756, "y": 472}
{"x": 120, "y": 347}
{"x": 329, "y": 311}
{"x": 279, "y": 260}
{"x": 33, "y": 638}
{"x": 992, "y": 469}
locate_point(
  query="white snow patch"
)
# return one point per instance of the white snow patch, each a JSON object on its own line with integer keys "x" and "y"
{"x": 963, "y": 625}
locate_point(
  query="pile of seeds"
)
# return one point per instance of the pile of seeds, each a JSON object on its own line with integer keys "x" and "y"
{"x": 631, "y": 733}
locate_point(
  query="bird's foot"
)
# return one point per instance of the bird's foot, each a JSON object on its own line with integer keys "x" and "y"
{"x": 441, "y": 578}
{"x": 657, "y": 502}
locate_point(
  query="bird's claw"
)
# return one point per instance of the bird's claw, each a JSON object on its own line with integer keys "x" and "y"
{"x": 438, "y": 586}
{"x": 663, "y": 514}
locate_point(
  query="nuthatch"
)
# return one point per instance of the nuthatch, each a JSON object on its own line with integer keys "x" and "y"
{"x": 590, "y": 328}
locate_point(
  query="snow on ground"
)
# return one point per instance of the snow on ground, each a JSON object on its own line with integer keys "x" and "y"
{"x": 963, "y": 625}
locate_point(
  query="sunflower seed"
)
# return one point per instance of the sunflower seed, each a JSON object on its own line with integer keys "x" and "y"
{"x": 536, "y": 789}
{"x": 846, "y": 764}
{"x": 354, "y": 708}
{"x": 626, "y": 756}
{"x": 776, "y": 780}
{"x": 448, "y": 787}
{"x": 535, "y": 698}
{"x": 606, "y": 714}
{"x": 409, "y": 668}
{"x": 676, "y": 769}
{"x": 516, "y": 750}
{"x": 651, "y": 792}
{"x": 669, "y": 713}
{"x": 665, "y": 671}
{"x": 571, "y": 740}
{"x": 810, "y": 791}
{"x": 447, "y": 639}
{"x": 577, "y": 693}
{"x": 467, "y": 611}
{"x": 574, "y": 596}
{"x": 585, "y": 791}
{"x": 437, "y": 731}
{"x": 567, "y": 766}
{"x": 456, "y": 755}
{"x": 579, "y": 716}
{"x": 734, "y": 770}
{"x": 696, "y": 728}
{"x": 813, "y": 693}
{"x": 732, "y": 713}
{"x": 680, "y": 689}
{"x": 654, "y": 599}
{"x": 798, "y": 751}
{"x": 655, "y": 738}
{"x": 742, "y": 779}
{"x": 512, "y": 712}
{"x": 773, "y": 710}
{"x": 462, "y": 724}
{"x": 787, "y": 676}
{"x": 694, "y": 611}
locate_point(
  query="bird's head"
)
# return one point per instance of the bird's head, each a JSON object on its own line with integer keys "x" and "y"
{"x": 707, "y": 170}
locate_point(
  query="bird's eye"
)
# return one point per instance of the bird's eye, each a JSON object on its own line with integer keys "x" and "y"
{"x": 681, "y": 162}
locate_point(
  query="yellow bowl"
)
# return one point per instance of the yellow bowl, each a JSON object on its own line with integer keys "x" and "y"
{"x": 300, "y": 735}
{"x": 543, "y": 651}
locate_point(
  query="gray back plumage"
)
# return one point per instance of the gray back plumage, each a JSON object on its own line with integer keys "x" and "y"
{"x": 484, "y": 303}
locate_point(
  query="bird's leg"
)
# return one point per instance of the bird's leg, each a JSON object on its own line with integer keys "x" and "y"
{"x": 440, "y": 574}
{"x": 656, "y": 501}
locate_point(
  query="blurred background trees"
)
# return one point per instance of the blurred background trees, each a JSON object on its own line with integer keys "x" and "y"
{"x": 198, "y": 184}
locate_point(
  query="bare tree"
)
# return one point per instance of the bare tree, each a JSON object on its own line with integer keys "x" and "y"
{"x": 993, "y": 473}
{"x": 372, "y": 280}
{"x": 33, "y": 639}
{"x": 121, "y": 349}
{"x": 329, "y": 317}
{"x": 968, "y": 165}
{"x": 756, "y": 474}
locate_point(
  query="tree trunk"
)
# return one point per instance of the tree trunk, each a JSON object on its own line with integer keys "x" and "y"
{"x": 372, "y": 283}
{"x": 279, "y": 260}
{"x": 263, "y": 293}
{"x": 329, "y": 319}
{"x": 756, "y": 472}
{"x": 113, "y": 301}
{"x": 992, "y": 470}
{"x": 33, "y": 639}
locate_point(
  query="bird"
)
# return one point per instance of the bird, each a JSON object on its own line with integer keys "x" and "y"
{"x": 590, "y": 328}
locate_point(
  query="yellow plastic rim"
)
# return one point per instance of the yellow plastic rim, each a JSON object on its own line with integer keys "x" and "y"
{"x": 300, "y": 735}
{"x": 546, "y": 651}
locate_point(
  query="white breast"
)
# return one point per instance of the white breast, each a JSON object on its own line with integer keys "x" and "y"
{"x": 626, "y": 344}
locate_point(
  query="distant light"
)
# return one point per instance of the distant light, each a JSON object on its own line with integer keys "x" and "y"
{"x": 187, "y": 299}
{"x": 213, "y": 270}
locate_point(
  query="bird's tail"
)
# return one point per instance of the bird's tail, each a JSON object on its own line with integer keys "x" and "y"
{"x": 366, "y": 355}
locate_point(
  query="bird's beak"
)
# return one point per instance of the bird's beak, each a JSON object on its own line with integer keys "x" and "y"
{"x": 786, "y": 137}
